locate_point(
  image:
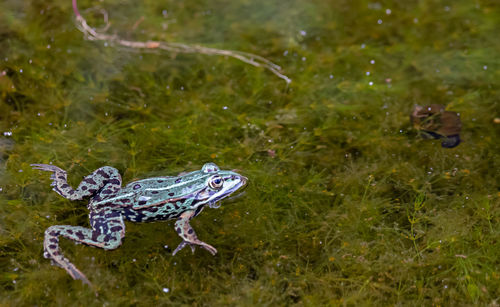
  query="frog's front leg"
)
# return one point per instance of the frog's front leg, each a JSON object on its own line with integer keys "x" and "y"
{"x": 107, "y": 232}
{"x": 187, "y": 234}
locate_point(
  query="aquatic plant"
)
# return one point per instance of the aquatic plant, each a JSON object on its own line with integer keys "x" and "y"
{"x": 345, "y": 205}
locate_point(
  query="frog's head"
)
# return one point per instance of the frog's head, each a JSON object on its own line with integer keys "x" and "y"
{"x": 219, "y": 184}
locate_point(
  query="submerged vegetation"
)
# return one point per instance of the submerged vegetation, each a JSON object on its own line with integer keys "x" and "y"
{"x": 346, "y": 204}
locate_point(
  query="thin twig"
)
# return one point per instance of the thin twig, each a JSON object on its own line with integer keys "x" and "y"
{"x": 249, "y": 58}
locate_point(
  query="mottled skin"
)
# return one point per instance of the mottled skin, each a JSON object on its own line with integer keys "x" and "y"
{"x": 154, "y": 199}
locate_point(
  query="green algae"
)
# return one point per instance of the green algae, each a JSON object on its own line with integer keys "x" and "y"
{"x": 346, "y": 205}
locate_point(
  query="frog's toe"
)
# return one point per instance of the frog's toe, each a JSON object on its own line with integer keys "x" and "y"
{"x": 76, "y": 274}
{"x": 209, "y": 248}
{"x": 179, "y": 247}
{"x": 46, "y": 167}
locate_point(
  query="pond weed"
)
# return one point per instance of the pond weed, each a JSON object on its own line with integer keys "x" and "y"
{"x": 334, "y": 212}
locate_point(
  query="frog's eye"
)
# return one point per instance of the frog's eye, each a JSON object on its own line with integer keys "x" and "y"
{"x": 216, "y": 182}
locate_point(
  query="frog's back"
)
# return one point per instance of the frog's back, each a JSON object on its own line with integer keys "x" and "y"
{"x": 151, "y": 182}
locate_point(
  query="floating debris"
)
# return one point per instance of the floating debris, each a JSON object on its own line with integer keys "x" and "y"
{"x": 436, "y": 123}
{"x": 93, "y": 34}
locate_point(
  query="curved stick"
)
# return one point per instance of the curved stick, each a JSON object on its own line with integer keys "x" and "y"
{"x": 245, "y": 57}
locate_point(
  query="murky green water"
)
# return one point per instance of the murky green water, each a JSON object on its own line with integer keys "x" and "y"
{"x": 346, "y": 204}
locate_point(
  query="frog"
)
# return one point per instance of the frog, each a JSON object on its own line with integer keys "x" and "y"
{"x": 179, "y": 198}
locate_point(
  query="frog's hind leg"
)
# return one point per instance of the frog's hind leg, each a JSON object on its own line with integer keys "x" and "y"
{"x": 88, "y": 187}
{"x": 108, "y": 230}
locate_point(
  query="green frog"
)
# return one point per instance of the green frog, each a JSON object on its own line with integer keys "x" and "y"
{"x": 179, "y": 197}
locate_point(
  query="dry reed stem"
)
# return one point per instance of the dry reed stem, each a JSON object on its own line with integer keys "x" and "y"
{"x": 249, "y": 58}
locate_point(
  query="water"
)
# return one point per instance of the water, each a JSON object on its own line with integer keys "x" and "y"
{"x": 346, "y": 204}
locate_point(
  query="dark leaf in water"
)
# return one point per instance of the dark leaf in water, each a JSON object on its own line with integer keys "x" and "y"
{"x": 451, "y": 141}
{"x": 434, "y": 122}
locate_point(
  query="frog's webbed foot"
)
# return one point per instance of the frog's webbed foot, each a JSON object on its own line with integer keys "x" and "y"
{"x": 206, "y": 246}
{"x": 186, "y": 232}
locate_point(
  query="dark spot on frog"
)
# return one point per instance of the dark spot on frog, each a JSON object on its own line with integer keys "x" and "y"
{"x": 154, "y": 192}
{"x": 84, "y": 188}
{"x": 80, "y": 235}
{"x": 137, "y": 186}
{"x": 52, "y": 246}
{"x": 103, "y": 173}
{"x": 106, "y": 192}
{"x": 64, "y": 186}
{"x": 171, "y": 194}
{"x": 89, "y": 181}
{"x": 178, "y": 180}
{"x": 114, "y": 181}
{"x": 70, "y": 231}
{"x": 152, "y": 209}
{"x": 190, "y": 231}
{"x": 61, "y": 178}
{"x": 53, "y": 240}
{"x": 107, "y": 238}
{"x": 142, "y": 202}
{"x": 178, "y": 230}
{"x": 116, "y": 228}
{"x": 160, "y": 181}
